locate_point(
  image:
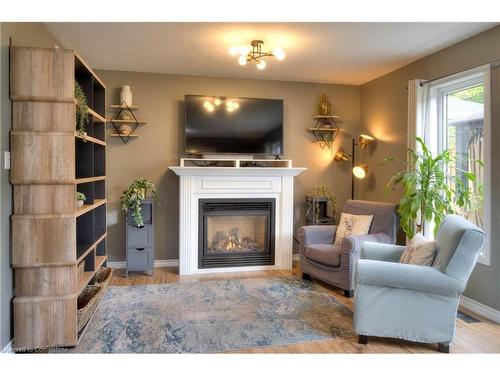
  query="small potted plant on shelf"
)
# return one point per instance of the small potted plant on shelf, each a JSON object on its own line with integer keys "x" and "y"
{"x": 133, "y": 197}
{"x": 82, "y": 111}
{"x": 80, "y": 199}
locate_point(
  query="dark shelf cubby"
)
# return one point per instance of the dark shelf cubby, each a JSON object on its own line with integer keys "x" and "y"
{"x": 101, "y": 248}
{"x": 99, "y": 190}
{"x": 99, "y": 221}
{"x": 88, "y": 190}
{"x": 84, "y": 233}
{"x": 99, "y": 160}
{"x": 84, "y": 78}
{"x": 84, "y": 159}
{"x": 98, "y": 97}
{"x": 89, "y": 262}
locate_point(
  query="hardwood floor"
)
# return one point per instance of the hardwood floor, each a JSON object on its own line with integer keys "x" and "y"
{"x": 479, "y": 337}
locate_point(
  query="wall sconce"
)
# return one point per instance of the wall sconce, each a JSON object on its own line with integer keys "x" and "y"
{"x": 358, "y": 170}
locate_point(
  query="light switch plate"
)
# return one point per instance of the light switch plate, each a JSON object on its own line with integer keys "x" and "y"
{"x": 6, "y": 160}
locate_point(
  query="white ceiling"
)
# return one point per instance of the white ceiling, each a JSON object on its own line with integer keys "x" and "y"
{"x": 349, "y": 53}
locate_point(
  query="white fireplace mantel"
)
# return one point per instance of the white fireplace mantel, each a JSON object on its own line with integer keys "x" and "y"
{"x": 234, "y": 182}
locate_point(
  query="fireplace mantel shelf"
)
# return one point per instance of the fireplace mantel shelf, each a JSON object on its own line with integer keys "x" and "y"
{"x": 236, "y": 171}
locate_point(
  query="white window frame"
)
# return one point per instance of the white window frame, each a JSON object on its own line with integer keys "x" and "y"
{"x": 437, "y": 92}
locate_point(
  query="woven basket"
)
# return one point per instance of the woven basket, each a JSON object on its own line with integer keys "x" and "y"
{"x": 103, "y": 277}
{"x": 87, "y": 303}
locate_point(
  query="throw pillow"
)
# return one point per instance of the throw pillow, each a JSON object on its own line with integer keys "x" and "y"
{"x": 420, "y": 251}
{"x": 352, "y": 225}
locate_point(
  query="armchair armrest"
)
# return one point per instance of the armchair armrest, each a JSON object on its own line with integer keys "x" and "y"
{"x": 381, "y": 251}
{"x": 407, "y": 276}
{"x": 317, "y": 234}
{"x": 352, "y": 243}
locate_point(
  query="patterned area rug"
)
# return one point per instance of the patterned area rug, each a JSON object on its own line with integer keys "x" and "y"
{"x": 214, "y": 316}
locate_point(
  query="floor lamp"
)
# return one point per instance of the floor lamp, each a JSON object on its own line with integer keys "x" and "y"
{"x": 357, "y": 170}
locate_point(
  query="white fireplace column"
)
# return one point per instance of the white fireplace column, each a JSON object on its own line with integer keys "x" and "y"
{"x": 234, "y": 182}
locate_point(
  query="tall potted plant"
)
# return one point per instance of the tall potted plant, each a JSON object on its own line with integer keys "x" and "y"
{"x": 134, "y": 195}
{"x": 432, "y": 188}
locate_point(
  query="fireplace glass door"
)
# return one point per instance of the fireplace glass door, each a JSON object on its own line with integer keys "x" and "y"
{"x": 236, "y": 232}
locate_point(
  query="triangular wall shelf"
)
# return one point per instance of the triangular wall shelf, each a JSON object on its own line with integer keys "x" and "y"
{"x": 117, "y": 121}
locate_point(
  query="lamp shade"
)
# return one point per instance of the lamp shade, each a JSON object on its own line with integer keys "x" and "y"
{"x": 360, "y": 170}
{"x": 364, "y": 140}
{"x": 341, "y": 155}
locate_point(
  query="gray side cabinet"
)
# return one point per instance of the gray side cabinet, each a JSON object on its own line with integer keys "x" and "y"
{"x": 140, "y": 241}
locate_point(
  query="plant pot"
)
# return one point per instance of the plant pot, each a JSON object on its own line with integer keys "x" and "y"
{"x": 79, "y": 203}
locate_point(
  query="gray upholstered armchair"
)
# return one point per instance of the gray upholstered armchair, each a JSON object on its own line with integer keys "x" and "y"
{"x": 416, "y": 303}
{"x": 335, "y": 264}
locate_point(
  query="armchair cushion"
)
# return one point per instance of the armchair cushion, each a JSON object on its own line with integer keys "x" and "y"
{"x": 352, "y": 225}
{"x": 317, "y": 234}
{"x": 420, "y": 251}
{"x": 407, "y": 276}
{"x": 328, "y": 255}
{"x": 379, "y": 251}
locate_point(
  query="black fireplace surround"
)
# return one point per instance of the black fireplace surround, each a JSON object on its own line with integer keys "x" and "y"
{"x": 236, "y": 232}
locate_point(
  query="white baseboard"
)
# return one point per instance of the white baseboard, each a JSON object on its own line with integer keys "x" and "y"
{"x": 480, "y": 309}
{"x": 158, "y": 263}
{"x": 8, "y": 348}
{"x": 167, "y": 262}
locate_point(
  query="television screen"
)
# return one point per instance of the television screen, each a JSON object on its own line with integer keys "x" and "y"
{"x": 215, "y": 125}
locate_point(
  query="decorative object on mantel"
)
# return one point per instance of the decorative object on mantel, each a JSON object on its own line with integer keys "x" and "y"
{"x": 324, "y": 106}
{"x": 358, "y": 170}
{"x": 320, "y": 206}
{"x": 133, "y": 197}
{"x": 255, "y": 54}
{"x": 326, "y": 128}
{"x": 124, "y": 121}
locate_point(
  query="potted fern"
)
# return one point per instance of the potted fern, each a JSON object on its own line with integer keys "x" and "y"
{"x": 134, "y": 195}
{"x": 432, "y": 189}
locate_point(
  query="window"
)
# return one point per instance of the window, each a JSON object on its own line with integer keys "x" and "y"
{"x": 459, "y": 111}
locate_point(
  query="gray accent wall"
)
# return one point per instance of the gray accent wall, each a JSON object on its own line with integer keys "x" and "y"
{"x": 23, "y": 34}
{"x": 384, "y": 112}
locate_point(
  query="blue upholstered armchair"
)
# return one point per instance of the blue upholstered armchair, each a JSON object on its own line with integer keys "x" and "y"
{"x": 416, "y": 303}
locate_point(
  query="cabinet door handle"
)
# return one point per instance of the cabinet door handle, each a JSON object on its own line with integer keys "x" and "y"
{"x": 139, "y": 248}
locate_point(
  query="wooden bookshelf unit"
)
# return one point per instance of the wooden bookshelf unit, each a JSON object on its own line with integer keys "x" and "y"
{"x": 50, "y": 163}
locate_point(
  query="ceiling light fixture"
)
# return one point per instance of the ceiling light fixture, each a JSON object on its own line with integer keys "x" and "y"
{"x": 255, "y": 54}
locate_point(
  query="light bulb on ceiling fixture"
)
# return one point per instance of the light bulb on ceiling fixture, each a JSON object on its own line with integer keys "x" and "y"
{"x": 242, "y": 60}
{"x": 360, "y": 170}
{"x": 236, "y": 105}
{"x": 279, "y": 53}
{"x": 217, "y": 102}
{"x": 261, "y": 65}
{"x": 233, "y": 50}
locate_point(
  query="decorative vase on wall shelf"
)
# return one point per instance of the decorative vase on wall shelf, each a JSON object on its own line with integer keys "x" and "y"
{"x": 125, "y": 129}
{"x": 126, "y": 96}
{"x": 324, "y": 106}
{"x": 79, "y": 203}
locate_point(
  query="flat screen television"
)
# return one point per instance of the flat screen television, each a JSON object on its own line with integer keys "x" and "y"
{"x": 220, "y": 125}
